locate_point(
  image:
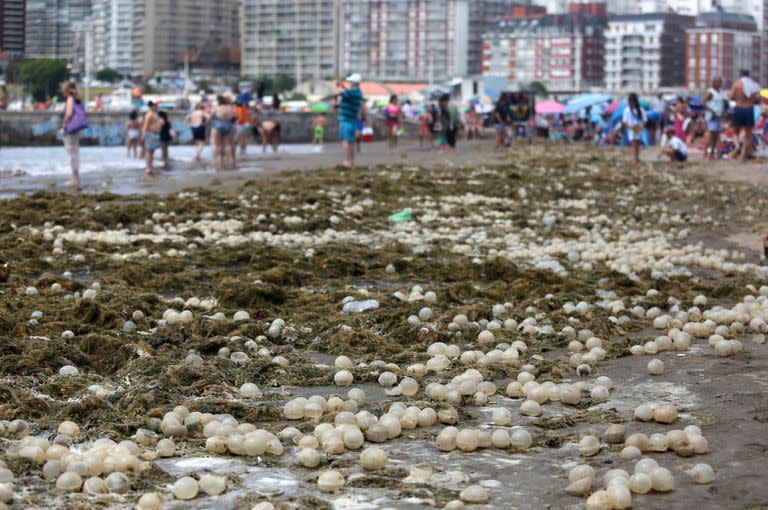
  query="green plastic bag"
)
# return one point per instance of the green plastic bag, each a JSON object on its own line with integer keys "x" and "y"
{"x": 401, "y": 216}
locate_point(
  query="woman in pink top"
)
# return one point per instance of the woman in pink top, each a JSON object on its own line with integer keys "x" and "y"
{"x": 392, "y": 115}
{"x": 679, "y": 118}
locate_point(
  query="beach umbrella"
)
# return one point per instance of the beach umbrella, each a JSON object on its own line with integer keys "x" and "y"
{"x": 580, "y": 102}
{"x": 611, "y": 107}
{"x": 549, "y": 107}
{"x": 764, "y": 93}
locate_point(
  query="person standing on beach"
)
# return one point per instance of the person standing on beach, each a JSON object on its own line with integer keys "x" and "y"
{"x": 132, "y": 134}
{"x": 222, "y": 133}
{"x": 714, "y": 108}
{"x": 393, "y": 114}
{"x": 150, "y": 135}
{"x": 243, "y": 127}
{"x": 450, "y": 120}
{"x": 318, "y": 127}
{"x": 74, "y": 121}
{"x": 166, "y": 137}
{"x": 197, "y": 122}
{"x": 351, "y": 100}
{"x": 745, "y": 93}
{"x": 634, "y": 120}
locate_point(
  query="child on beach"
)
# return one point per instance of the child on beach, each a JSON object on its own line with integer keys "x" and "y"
{"x": 425, "y": 121}
{"x": 318, "y": 127}
{"x": 675, "y": 149}
{"x": 132, "y": 134}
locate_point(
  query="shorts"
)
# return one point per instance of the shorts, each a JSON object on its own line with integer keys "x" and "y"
{"x": 391, "y": 123}
{"x": 198, "y": 133}
{"x": 679, "y": 156}
{"x": 133, "y": 134}
{"x": 499, "y": 127}
{"x": 152, "y": 141}
{"x": 241, "y": 130}
{"x": 319, "y": 132}
{"x": 714, "y": 124}
{"x": 359, "y": 125}
{"x": 347, "y": 130}
{"x": 743, "y": 117}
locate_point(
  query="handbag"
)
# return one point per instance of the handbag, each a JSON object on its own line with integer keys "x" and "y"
{"x": 79, "y": 120}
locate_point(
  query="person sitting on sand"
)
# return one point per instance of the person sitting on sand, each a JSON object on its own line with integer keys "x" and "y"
{"x": 675, "y": 149}
{"x": 150, "y": 135}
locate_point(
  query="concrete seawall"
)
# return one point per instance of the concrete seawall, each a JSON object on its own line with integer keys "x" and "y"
{"x": 41, "y": 128}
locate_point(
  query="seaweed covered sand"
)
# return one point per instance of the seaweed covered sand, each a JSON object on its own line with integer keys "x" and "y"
{"x": 536, "y": 233}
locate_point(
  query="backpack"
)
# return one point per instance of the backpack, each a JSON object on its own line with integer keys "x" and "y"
{"x": 79, "y": 120}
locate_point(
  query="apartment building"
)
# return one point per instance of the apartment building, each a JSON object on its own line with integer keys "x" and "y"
{"x": 563, "y": 51}
{"x": 644, "y": 52}
{"x": 293, "y": 37}
{"x": 721, "y": 44}
{"x": 50, "y": 27}
{"x": 415, "y": 40}
{"x": 12, "y": 15}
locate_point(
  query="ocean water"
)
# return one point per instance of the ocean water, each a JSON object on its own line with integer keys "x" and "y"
{"x": 54, "y": 161}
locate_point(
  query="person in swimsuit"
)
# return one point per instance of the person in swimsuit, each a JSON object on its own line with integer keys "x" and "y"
{"x": 150, "y": 135}
{"x": 166, "y": 137}
{"x": 270, "y": 134}
{"x": 474, "y": 121}
{"x": 243, "y": 127}
{"x": 132, "y": 134}
{"x": 223, "y": 133}
{"x": 198, "y": 119}
{"x": 745, "y": 93}
{"x": 393, "y": 114}
{"x": 425, "y": 133}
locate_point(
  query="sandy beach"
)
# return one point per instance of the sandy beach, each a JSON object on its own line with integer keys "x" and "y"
{"x": 135, "y": 282}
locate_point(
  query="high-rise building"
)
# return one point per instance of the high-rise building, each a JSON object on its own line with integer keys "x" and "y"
{"x": 563, "y": 51}
{"x": 112, "y": 29}
{"x": 12, "y": 14}
{"x": 721, "y": 44}
{"x": 644, "y": 52}
{"x": 140, "y": 38}
{"x": 50, "y": 27}
{"x": 415, "y": 40}
{"x": 292, "y": 37}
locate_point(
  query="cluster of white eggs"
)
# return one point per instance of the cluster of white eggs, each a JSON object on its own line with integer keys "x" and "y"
{"x": 101, "y": 468}
{"x": 619, "y": 485}
{"x": 469, "y": 439}
{"x": 685, "y": 443}
{"x": 187, "y": 487}
{"x": 416, "y": 294}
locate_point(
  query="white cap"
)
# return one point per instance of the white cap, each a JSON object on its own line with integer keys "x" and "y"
{"x": 354, "y": 78}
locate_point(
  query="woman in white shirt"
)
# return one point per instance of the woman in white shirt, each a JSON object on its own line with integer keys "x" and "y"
{"x": 634, "y": 121}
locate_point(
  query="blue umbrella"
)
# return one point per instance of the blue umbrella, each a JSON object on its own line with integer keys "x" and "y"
{"x": 578, "y": 103}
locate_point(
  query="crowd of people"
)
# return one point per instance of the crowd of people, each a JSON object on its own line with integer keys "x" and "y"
{"x": 720, "y": 124}
{"x": 228, "y": 125}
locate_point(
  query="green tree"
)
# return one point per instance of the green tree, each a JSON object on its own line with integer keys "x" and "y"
{"x": 298, "y": 96}
{"x": 539, "y": 90}
{"x": 42, "y": 77}
{"x": 108, "y": 74}
{"x": 283, "y": 82}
